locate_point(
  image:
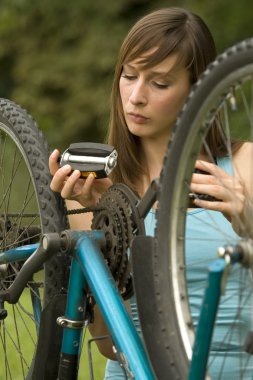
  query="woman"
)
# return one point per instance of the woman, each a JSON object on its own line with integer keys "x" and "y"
{"x": 160, "y": 59}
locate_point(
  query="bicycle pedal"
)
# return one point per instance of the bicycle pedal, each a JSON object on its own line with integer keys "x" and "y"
{"x": 95, "y": 158}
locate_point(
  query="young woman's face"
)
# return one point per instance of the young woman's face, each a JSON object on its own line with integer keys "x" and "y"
{"x": 152, "y": 98}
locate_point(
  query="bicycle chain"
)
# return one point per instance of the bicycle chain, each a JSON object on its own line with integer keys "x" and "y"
{"x": 82, "y": 210}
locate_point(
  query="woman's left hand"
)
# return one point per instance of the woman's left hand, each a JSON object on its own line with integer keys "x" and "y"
{"x": 228, "y": 190}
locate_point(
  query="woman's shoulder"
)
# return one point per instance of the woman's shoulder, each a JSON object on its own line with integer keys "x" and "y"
{"x": 243, "y": 153}
{"x": 242, "y": 163}
{"x": 246, "y": 147}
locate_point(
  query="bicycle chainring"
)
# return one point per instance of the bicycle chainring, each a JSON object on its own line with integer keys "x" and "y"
{"x": 119, "y": 220}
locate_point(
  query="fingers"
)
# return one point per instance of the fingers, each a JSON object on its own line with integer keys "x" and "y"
{"x": 216, "y": 182}
{"x": 228, "y": 190}
{"x": 59, "y": 178}
{"x": 212, "y": 205}
{"x": 210, "y": 168}
{"x": 53, "y": 161}
{"x": 229, "y": 209}
{"x": 89, "y": 181}
{"x": 214, "y": 190}
{"x": 225, "y": 190}
{"x": 204, "y": 179}
{"x": 70, "y": 186}
{"x": 205, "y": 166}
{"x": 68, "y": 191}
{"x": 84, "y": 195}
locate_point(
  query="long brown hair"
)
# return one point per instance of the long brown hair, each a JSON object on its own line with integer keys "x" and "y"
{"x": 170, "y": 30}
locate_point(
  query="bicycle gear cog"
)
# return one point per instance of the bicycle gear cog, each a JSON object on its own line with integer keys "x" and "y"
{"x": 118, "y": 218}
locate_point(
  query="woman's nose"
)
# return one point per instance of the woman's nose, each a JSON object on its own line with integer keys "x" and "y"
{"x": 139, "y": 93}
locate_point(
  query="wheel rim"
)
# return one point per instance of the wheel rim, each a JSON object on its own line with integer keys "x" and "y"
{"x": 235, "y": 89}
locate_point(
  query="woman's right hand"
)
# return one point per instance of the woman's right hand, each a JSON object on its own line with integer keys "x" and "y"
{"x": 71, "y": 186}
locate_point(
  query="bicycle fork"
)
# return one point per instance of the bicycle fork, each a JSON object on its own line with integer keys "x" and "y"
{"x": 218, "y": 271}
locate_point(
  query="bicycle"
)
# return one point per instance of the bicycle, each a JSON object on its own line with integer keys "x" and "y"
{"x": 167, "y": 326}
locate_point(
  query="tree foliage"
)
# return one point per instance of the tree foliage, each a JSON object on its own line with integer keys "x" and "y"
{"x": 57, "y": 58}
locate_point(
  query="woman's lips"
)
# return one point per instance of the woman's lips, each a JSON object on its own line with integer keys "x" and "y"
{"x": 137, "y": 118}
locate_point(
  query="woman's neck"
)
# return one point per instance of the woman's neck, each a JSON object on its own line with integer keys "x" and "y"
{"x": 153, "y": 153}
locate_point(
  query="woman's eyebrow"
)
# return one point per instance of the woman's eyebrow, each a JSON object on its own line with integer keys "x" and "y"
{"x": 164, "y": 73}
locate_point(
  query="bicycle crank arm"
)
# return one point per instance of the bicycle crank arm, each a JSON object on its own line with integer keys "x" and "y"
{"x": 148, "y": 199}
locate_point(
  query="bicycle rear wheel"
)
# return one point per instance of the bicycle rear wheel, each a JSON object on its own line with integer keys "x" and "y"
{"x": 27, "y": 209}
{"x": 186, "y": 240}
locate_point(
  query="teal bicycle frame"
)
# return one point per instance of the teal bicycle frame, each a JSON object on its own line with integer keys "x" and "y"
{"x": 88, "y": 268}
{"x": 206, "y": 321}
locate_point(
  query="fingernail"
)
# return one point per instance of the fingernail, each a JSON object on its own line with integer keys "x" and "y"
{"x": 76, "y": 172}
{"x": 66, "y": 168}
{"x": 54, "y": 153}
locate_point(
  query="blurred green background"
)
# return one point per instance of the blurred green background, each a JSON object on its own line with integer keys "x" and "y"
{"x": 57, "y": 58}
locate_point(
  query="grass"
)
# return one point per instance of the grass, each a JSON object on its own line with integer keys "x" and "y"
{"x": 17, "y": 326}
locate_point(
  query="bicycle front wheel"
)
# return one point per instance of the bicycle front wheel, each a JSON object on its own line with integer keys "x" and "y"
{"x": 187, "y": 239}
{"x": 27, "y": 209}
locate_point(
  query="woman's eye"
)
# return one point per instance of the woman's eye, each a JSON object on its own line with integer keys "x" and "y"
{"x": 161, "y": 85}
{"x": 128, "y": 76}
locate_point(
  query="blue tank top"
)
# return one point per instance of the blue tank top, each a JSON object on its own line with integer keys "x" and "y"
{"x": 206, "y": 231}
